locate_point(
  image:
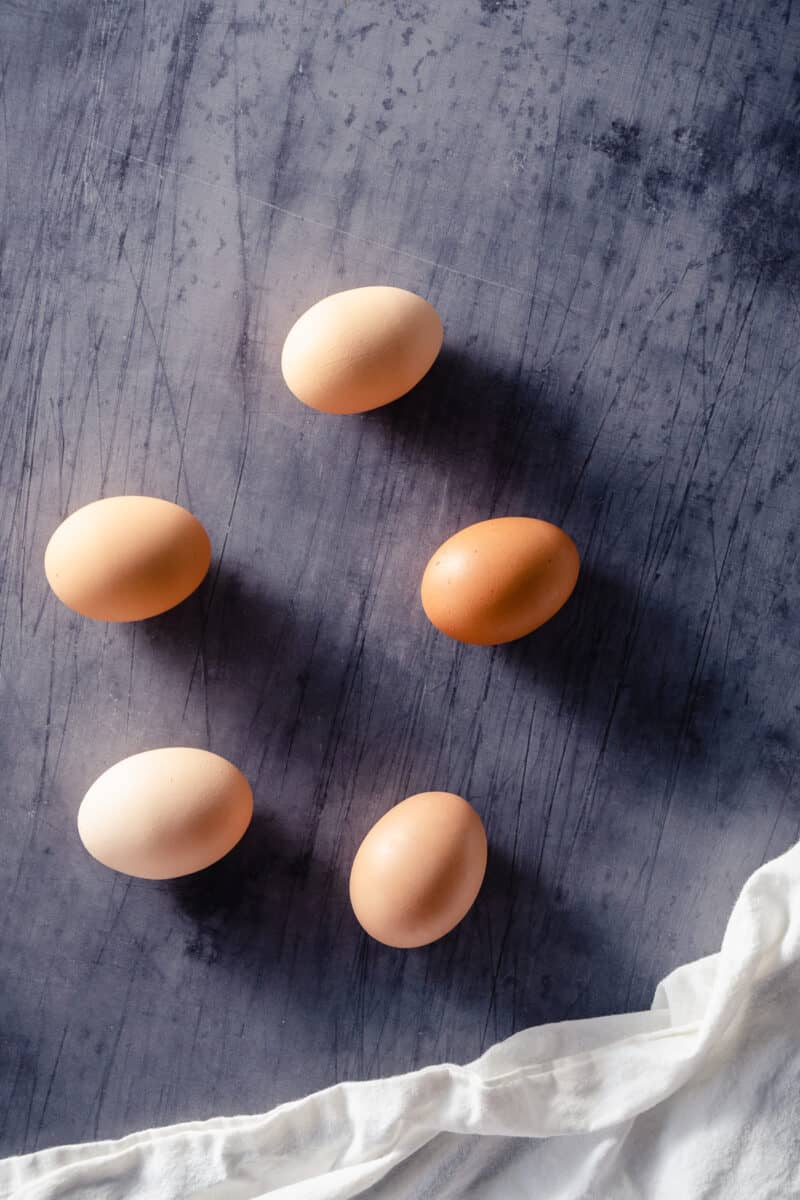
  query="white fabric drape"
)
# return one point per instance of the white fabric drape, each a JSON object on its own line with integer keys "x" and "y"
{"x": 699, "y": 1097}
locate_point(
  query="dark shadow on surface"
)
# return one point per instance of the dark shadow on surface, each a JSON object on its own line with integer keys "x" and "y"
{"x": 228, "y": 615}
{"x": 510, "y": 432}
{"x": 224, "y": 889}
{"x": 628, "y": 665}
{"x": 238, "y": 911}
{"x": 625, "y": 658}
{"x": 634, "y": 667}
{"x": 521, "y": 956}
{"x": 631, "y": 665}
{"x": 545, "y": 960}
{"x": 255, "y": 659}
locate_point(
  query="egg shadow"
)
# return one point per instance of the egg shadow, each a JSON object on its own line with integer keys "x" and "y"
{"x": 480, "y": 960}
{"x": 273, "y": 679}
{"x": 290, "y": 697}
{"x": 239, "y": 912}
{"x": 634, "y": 667}
{"x": 553, "y": 959}
{"x": 278, "y": 688}
{"x": 244, "y": 656}
{"x": 640, "y": 672}
{"x": 521, "y": 956}
{"x": 228, "y": 619}
{"x": 559, "y": 960}
{"x": 269, "y": 669}
{"x": 508, "y": 435}
{"x": 633, "y": 663}
{"x": 229, "y": 888}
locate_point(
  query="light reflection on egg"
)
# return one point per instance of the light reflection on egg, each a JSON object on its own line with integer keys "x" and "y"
{"x": 499, "y": 580}
{"x": 165, "y": 813}
{"x": 419, "y": 869}
{"x": 360, "y": 349}
{"x": 127, "y": 557}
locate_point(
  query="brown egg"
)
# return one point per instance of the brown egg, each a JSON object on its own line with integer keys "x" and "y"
{"x": 417, "y": 872}
{"x": 499, "y": 580}
{"x": 165, "y": 813}
{"x": 127, "y": 557}
{"x": 360, "y": 349}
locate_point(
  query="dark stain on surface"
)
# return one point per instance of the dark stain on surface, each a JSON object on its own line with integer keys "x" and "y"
{"x": 701, "y": 163}
{"x": 685, "y": 162}
{"x": 237, "y": 900}
{"x": 195, "y": 25}
{"x": 657, "y": 182}
{"x": 781, "y": 141}
{"x": 700, "y": 155}
{"x": 759, "y": 225}
{"x": 490, "y": 7}
{"x": 762, "y": 232}
{"x": 407, "y": 10}
{"x": 620, "y": 144}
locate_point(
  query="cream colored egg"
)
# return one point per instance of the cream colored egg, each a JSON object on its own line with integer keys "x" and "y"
{"x": 165, "y": 813}
{"x": 127, "y": 557}
{"x": 419, "y": 869}
{"x": 361, "y": 349}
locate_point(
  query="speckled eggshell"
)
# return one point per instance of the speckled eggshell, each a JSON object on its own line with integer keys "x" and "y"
{"x": 165, "y": 813}
{"x": 127, "y": 557}
{"x": 361, "y": 349}
{"x": 419, "y": 869}
{"x": 499, "y": 580}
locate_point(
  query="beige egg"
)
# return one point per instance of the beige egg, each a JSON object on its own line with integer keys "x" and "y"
{"x": 361, "y": 349}
{"x": 127, "y": 557}
{"x": 165, "y": 813}
{"x": 499, "y": 580}
{"x": 419, "y": 869}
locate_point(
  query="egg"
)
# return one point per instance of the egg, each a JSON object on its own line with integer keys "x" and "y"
{"x": 361, "y": 349}
{"x": 419, "y": 869}
{"x": 499, "y": 580}
{"x": 165, "y": 813}
{"x": 127, "y": 557}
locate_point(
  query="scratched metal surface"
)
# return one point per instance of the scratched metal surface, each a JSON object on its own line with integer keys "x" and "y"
{"x": 601, "y": 201}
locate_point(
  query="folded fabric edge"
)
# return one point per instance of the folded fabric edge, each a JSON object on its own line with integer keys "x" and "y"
{"x": 761, "y": 921}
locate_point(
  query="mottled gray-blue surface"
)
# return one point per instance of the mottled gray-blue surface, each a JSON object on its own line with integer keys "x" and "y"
{"x": 601, "y": 201}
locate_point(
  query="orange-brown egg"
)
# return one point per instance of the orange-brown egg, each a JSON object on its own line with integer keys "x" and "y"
{"x": 360, "y": 349}
{"x": 498, "y": 580}
{"x": 165, "y": 813}
{"x": 417, "y": 872}
{"x": 127, "y": 557}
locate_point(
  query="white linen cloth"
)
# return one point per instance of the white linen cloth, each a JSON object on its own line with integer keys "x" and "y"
{"x": 699, "y": 1097}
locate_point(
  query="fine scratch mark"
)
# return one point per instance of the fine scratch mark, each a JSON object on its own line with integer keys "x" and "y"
{"x": 335, "y": 229}
{"x": 492, "y": 1002}
{"x": 53, "y": 1073}
{"x": 157, "y": 342}
{"x": 99, "y": 90}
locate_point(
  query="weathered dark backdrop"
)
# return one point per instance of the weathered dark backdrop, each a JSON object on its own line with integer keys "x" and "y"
{"x": 601, "y": 201}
